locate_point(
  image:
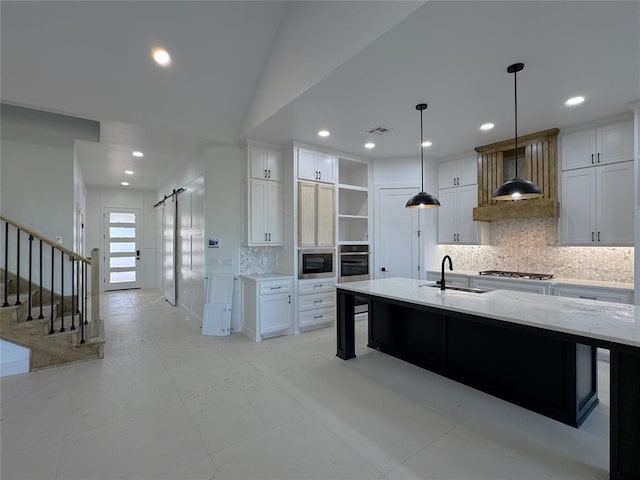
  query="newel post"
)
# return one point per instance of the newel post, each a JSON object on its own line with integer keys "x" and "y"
{"x": 95, "y": 292}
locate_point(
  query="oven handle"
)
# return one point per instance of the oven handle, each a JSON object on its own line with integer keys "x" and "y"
{"x": 354, "y": 253}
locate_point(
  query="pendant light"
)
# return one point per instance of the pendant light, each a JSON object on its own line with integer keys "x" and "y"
{"x": 422, "y": 199}
{"x": 517, "y": 188}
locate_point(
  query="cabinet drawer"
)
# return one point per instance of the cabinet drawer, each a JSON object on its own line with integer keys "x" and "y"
{"x": 315, "y": 287}
{"x": 317, "y": 318}
{"x": 316, "y": 300}
{"x": 528, "y": 286}
{"x": 617, "y": 296}
{"x": 274, "y": 287}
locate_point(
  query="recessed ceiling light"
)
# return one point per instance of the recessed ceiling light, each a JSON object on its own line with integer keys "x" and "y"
{"x": 324, "y": 133}
{"x": 486, "y": 126}
{"x": 427, "y": 143}
{"x": 369, "y": 145}
{"x": 129, "y": 172}
{"x": 161, "y": 57}
{"x": 137, "y": 154}
{"x": 573, "y": 101}
{"x": 124, "y": 184}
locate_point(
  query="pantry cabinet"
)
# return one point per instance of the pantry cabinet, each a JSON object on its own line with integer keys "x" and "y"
{"x": 597, "y": 206}
{"x": 316, "y": 215}
{"x": 316, "y": 166}
{"x": 597, "y": 146}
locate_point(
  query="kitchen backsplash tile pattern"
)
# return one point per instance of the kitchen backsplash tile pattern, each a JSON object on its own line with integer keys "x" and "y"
{"x": 529, "y": 245}
{"x": 257, "y": 260}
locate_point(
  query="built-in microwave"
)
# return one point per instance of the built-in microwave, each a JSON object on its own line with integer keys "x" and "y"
{"x": 316, "y": 263}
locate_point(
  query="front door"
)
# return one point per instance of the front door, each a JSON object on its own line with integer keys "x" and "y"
{"x": 398, "y": 241}
{"x": 122, "y": 244}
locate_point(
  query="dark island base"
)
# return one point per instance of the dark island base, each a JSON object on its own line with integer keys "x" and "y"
{"x": 494, "y": 356}
{"x": 549, "y": 376}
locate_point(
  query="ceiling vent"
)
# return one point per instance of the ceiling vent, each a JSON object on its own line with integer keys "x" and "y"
{"x": 381, "y": 130}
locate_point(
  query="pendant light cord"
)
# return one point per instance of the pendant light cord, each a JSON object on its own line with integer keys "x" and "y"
{"x": 515, "y": 91}
{"x": 421, "y": 155}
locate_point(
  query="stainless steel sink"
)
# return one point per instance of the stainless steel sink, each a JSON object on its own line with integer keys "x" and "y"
{"x": 459, "y": 289}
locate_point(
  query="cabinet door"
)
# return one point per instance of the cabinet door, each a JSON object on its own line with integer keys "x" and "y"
{"x": 467, "y": 171}
{"x": 307, "y": 164}
{"x": 615, "y": 204}
{"x": 316, "y": 318}
{"x": 447, "y": 215}
{"x": 306, "y": 214}
{"x": 593, "y": 293}
{"x": 274, "y": 165}
{"x": 325, "y": 230}
{"x": 275, "y": 314}
{"x": 578, "y": 149}
{"x": 257, "y": 212}
{"x": 325, "y": 164}
{"x": 578, "y": 207}
{"x": 275, "y": 214}
{"x": 258, "y": 162}
{"x": 447, "y": 174}
{"x": 615, "y": 142}
{"x": 467, "y": 200}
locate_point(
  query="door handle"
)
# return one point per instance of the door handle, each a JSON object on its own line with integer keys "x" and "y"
{"x": 592, "y": 162}
{"x": 265, "y": 237}
{"x": 593, "y": 236}
{"x": 269, "y": 173}
{"x": 319, "y": 175}
{"x": 265, "y": 173}
{"x": 137, "y": 254}
{"x": 269, "y": 236}
{"x": 598, "y": 157}
{"x": 289, "y": 298}
{"x": 598, "y": 236}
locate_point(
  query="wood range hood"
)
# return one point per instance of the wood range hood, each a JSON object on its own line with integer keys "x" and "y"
{"x": 540, "y": 166}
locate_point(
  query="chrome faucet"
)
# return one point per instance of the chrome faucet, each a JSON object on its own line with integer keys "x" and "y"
{"x": 442, "y": 282}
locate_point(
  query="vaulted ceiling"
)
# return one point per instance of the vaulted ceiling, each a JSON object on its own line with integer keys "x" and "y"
{"x": 280, "y": 71}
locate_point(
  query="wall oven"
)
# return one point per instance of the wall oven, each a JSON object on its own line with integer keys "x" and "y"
{"x": 316, "y": 263}
{"x": 354, "y": 266}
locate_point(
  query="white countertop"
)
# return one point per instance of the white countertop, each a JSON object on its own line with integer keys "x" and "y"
{"x": 256, "y": 277}
{"x": 552, "y": 281}
{"x": 607, "y": 321}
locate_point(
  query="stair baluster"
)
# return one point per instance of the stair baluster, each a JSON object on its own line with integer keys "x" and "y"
{"x": 6, "y": 264}
{"x": 78, "y": 287}
{"x": 51, "y": 329}
{"x": 62, "y": 329}
{"x": 83, "y": 268}
{"x": 18, "y": 302}
{"x": 73, "y": 294}
{"x": 86, "y": 293}
{"x": 41, "y": 316}
{"x": 30, "y": 317}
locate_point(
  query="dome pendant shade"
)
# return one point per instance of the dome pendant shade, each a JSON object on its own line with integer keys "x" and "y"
{"x": 422, "y": 200}
{"x": 517, "y": 188}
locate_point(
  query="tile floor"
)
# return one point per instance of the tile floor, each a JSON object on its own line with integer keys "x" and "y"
{"x": 168, "y": 403}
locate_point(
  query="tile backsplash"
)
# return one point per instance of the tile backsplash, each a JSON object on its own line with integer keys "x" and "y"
{"x": 257, "y": 260}
{"x": 530, "y": 245}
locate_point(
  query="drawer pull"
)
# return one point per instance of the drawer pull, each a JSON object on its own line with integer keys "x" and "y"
{"x": 588, "y": 298}
{"x": 276, "y": 288}
{"x": 318, "y": 316}
{"x": 316, "y": 286}
{"x": 317, "y": 301}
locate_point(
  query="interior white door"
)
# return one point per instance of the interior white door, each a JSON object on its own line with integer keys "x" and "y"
{"x": 122, "y": 242}
{"x": 169, "y": 249}
{"x": 398, "y": 243}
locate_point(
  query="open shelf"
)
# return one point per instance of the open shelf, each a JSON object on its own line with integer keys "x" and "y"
{"x": 363, "y": 217}
{"x": 353, "y": 202}
{"x": 346, "y": 186}
{"x": 353, "y": 229}
{"x": 353, "y": 173}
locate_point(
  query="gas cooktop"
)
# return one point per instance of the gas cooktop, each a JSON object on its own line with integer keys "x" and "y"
{"x": 527, "y": 276}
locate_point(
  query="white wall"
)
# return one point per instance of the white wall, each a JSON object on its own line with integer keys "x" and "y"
{"x": 98, "y": 199}
{"x": 221, "y": 167}
{"x": 38, "y": 177}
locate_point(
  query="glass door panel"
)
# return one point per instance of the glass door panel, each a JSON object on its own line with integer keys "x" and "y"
{"x": 122, "y": 265}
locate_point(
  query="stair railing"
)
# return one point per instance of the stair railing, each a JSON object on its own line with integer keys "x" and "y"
{"x": 75, "y": 279}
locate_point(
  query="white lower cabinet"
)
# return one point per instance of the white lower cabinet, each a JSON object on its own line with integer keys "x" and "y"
{"x": 267, "y": 308}
{"x": 316, "y": 304}
{"x": 528, "y": 286}
{"x": 594, "y": 293}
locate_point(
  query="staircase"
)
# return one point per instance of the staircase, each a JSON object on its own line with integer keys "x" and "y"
{"x": 51, "y": 311}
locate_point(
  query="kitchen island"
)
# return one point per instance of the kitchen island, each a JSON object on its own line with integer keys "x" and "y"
{"x": 537, "y": 352}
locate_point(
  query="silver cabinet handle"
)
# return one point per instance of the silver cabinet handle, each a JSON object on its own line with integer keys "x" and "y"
{"x": 317, "y": 286}
{"x": 592, "y": 161}
{"x": 598, "y": 157}
{"x": 593, "y": 236}
{"x": 318, "y": 316}
{"x": 598, "y": 236}
{"x": 276, "y": 288}
{"x": 587, "y": 297}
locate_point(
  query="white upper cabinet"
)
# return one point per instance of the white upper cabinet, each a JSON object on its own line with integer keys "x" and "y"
{"x": 597, "y": 206}
{"x": 596, "y": 146}
{"x": 265, "y": 163}
{"x": 457, "y": 173}
{"x": 316, "y": 166}
{"x": 265, "y": 219}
